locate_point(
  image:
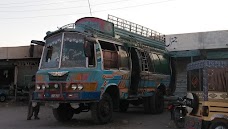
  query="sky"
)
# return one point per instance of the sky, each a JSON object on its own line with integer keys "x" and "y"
{"x": 24, "y": 20}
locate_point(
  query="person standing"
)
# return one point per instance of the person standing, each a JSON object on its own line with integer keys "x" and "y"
{"x": 33, "y": 109}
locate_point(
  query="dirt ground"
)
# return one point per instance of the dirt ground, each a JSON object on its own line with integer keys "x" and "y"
{"x": 13, "y": 116}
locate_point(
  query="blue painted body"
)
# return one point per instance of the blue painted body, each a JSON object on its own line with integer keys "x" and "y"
{"x": 96, "y": 77}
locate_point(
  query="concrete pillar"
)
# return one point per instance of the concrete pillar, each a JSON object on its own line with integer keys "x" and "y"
{"x": 15, "y": 80}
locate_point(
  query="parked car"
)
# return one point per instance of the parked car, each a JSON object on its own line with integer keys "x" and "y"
{"x": 4, "y": 93}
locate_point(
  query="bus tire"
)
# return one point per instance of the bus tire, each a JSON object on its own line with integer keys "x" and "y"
{"x": 102, "y": 111}
{"x": 63, "y": 113}
{"x": 217, "y": 124}
{"x": 159, "y": 102}
{"x": 149, "y": 104}
{"x": 146, "y": 104}
{"x": 124, "y": 104}
{"x": 153, "y": 102}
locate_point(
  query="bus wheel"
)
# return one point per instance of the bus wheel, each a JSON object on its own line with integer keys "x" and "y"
{"x": 146, "y": 104}
{"x": 102, "y": 111}
{"x": 63, "y": 113}
{"x": 154, "y": 104}
{"x": 219, "y": 125}
{"x": 124, "y": 104}
{"x": 159, "y": 102}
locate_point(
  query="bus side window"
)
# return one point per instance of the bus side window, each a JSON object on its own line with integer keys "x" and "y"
{"x": 164, "y": 66}
{"x": 123, "y": 58}
{"x": 151, "y": 63}
{"x": 110, "y": 55}
{"x": 91, "y": 58}
{"x": 156, "y": 62}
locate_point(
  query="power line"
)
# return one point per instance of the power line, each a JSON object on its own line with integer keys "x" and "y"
{"x": 111, "y": 2}
{"x": 64, "y": 2}
{"x": 89, "y": 12}
{"x": 22, "y": 2}
{"x": 45, "y": 16}
{"x": 39, "y": 10}
{"x": 42, "y": 4}
{"x": 135, "y": 6}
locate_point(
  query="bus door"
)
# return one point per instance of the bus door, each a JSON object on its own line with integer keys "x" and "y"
{"x": 144, "y": 73}
{"x": 135, "y": 71}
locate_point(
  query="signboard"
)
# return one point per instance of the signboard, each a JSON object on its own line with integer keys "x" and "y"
{"x": 96, "y": 24}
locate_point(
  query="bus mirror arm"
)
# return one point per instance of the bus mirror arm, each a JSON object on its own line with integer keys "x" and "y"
{"x": 41, "y": 43}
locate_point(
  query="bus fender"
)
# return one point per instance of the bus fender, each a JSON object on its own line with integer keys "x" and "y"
{"x": 113, "y": 90}
{"x": 108, "y": 86}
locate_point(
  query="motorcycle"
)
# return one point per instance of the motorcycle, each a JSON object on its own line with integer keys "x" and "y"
{"x": 178, "y": 111}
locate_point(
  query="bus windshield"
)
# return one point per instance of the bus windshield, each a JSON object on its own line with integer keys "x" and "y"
{"x": 51, "y": 55}
{"x": 73, "y": 51}
{"x": 71, "y": 47}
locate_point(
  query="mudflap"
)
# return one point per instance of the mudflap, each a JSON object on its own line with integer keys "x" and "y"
{"x": 193, "y": 123}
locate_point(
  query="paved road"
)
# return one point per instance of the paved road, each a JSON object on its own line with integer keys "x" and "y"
{"x": 14, "y": 117}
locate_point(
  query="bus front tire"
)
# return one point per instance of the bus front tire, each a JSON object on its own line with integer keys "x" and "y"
{"x": 63, "y": 113}
{"x": 102, "y": 111}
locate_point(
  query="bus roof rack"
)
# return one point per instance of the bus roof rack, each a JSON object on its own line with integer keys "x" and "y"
{"x": 120, "y": 29}
{"x": 126, "y": 29}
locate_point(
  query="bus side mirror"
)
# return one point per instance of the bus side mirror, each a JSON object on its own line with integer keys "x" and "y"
{"x": 41, "y": 43}
{"x": 87, "y": 49}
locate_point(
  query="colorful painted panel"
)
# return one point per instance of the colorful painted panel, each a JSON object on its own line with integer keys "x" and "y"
{"x": 96, "y": 24}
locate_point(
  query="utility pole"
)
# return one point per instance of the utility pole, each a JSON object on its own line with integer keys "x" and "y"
{"x": 89, "y": 8}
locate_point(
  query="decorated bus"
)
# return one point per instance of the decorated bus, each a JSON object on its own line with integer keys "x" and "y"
{"x": 103, "y": 66}
{"x": 207, "y": 97}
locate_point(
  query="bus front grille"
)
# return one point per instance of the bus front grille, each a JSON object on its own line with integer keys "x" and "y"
{"x": 58, "y": 78}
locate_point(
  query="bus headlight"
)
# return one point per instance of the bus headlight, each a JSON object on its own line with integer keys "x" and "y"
{"x": 74, "y": 86}
{"x": 56, "y": 86}
{"x": 80, "y": 86}
{"x": 47, "y": 86}
{"x": 38, "y": 87}
{"x": 43, "y": 87}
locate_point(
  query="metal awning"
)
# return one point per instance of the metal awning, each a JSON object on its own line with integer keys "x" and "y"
{"x": 185, "y": 53}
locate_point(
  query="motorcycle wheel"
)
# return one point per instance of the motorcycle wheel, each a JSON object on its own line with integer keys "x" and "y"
{"x": 179, "y": 118}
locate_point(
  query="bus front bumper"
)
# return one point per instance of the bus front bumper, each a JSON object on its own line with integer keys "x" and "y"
{"x": 66, "y": 96}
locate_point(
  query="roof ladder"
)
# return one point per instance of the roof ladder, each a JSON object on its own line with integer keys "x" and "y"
{"x": 145, "y": 65}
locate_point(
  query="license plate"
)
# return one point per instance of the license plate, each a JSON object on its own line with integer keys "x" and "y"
{"x": 55, "y": 95}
